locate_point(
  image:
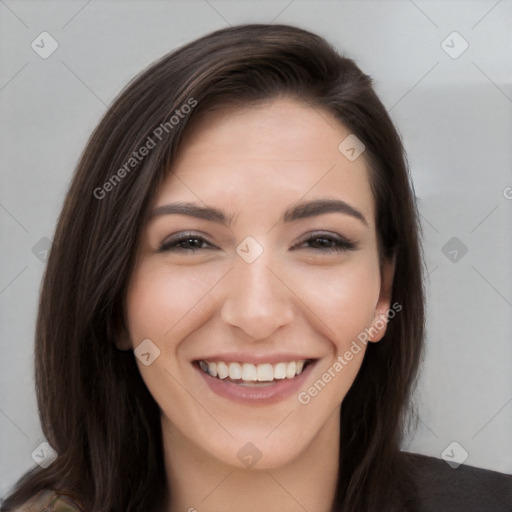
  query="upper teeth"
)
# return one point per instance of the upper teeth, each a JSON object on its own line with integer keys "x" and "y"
{"x": 265, "y": 372}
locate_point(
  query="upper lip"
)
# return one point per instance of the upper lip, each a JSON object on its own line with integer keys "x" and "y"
{"x": 244, "y": 357}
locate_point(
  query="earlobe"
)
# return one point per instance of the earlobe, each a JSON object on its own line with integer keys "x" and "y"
{"x": 120, "y": 337}
{"x": 382, "y": 308}
{"x": 123, "y": 341}
{"x": 378, "y": 328}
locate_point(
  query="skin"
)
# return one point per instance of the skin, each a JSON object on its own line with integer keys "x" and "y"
{"x": 254, "y": 163}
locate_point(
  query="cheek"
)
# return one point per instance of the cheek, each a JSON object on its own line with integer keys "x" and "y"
{"x": 161, "y": 306}
{"x": 343, "y": 298}
{"x": 161, "y": 301}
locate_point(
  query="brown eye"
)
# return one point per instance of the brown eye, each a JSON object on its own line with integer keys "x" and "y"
{"x": 324, "y": 242}
{"x": 185, "y": 242}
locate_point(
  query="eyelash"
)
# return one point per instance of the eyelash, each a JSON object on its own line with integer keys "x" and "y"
{"x": 340, "y": 244}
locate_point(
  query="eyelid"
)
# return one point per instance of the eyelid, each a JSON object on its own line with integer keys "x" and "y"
{"x": 172, "y": 240}
{"x": 344, "y": 243}
{"x": 341, "y": 243}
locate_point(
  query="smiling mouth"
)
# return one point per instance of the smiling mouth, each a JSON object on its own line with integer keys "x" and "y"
{"x": 248, "y": 374}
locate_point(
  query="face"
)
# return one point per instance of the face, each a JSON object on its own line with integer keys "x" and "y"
{"x": 257, "y": 271}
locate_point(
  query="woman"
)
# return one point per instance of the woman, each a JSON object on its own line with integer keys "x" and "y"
{"x": 232, "y": 314}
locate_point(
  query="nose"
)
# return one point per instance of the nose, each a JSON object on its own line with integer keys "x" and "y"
{"x": 257, "y": 300}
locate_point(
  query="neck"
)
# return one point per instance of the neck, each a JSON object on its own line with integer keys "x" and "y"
{"x": 201, "y": 483}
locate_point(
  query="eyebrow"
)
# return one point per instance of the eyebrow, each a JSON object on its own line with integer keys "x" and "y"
{"x": 300, "y": 211}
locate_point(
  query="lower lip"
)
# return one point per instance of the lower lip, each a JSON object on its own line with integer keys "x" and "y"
{"x": 256, "y": 395}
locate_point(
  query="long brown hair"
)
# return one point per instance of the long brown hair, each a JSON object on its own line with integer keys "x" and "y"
{"x": 95, "y": 409}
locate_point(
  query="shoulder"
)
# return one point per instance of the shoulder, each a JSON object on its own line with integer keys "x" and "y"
{"x": 50, "y": 501}
{"x": 464, "y": 489}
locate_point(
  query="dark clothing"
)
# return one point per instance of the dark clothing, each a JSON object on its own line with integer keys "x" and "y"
{"x": 464, "y": 489}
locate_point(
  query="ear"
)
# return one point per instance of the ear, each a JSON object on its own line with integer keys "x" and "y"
{"x": 119, "y": 335}
{"x": 380, "y": 319}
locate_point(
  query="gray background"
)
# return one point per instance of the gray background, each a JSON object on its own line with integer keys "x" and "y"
{"x": 455, "y": 116}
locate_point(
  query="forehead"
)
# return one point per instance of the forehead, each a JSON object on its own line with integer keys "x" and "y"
{"x": 272, "y": 152}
